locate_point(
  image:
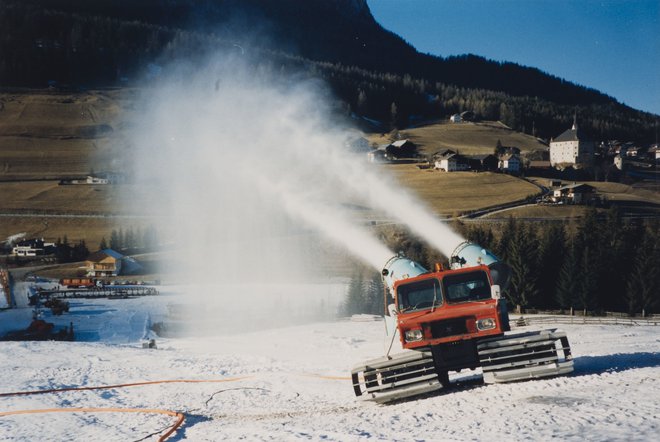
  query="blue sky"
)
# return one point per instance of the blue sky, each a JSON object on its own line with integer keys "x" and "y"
{"x": 609, "y": 45}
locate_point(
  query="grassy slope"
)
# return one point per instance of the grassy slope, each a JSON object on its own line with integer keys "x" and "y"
{"x": 49, "y": 196}
{"x": 54, "y": 134}
{"x": 49, "y": 135}
{"x": 451, "y": 193}
{"x": 467, "y": 138}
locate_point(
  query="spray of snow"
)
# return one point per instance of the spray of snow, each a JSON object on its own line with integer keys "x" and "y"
{"x": 250, "y": 170}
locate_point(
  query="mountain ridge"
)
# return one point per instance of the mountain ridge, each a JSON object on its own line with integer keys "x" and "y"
{"x": 103, "y": 42}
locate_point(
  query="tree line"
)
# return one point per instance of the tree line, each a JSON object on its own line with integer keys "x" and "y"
{"x": 598, "y": 263}
{"x": 131, "y": 239}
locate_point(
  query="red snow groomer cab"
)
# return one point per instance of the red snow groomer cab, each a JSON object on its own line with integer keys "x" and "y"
{"x": 453, "y": 320}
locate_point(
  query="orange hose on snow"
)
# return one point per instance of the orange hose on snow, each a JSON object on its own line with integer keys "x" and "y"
{"x": 133, "y": 384}
{"x": 172, "y": 428}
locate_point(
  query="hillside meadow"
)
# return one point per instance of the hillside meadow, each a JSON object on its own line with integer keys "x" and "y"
{"x": 448, "y": 194}
{"x": 467, "y": 138}
{"x": 53, "y": 134}
{"x": 48, "y": 135}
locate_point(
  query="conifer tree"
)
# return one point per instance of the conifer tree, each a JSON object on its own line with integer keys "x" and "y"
{"x": 522, "y": 289}
{"x": 586, "y": 289}
{"x": 643, "y": 286}
{"x": 551, "y": 250}
{"x": 354, "y": 303}
{"x": 115, "y": 243}
{"x": 567, "y": 280}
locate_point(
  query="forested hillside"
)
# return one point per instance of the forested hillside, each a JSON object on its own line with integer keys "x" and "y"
{"x": 601, "y": 262}
{"x": 79, "y": 43}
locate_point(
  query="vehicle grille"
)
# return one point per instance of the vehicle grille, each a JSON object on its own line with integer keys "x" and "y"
{"x": 448, "y": 327}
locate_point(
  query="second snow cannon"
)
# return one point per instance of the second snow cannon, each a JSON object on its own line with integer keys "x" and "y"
{"x": 450, "y": 320}
{"x": 468, "y": 254}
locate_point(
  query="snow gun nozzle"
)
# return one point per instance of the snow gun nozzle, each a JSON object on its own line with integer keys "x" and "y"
{"x": 468, "y": 254}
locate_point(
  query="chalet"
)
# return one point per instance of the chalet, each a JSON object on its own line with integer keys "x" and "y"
{"x": 108, "y": 262}
{"x": 402, "y": 149}
{"x": 571, "y": 148}
{"x": 452, "y": 162}
{"x": 509, "y": 163}
{"x": 33, "y": 247}
{"x": 635, "y": 151}
{"x": 501, "y": 149}
{"x": 483, "y": 162}
{"x": 573, "y": 194}
{"x": 442, "y": 153}
{"x": 654, "y": 153}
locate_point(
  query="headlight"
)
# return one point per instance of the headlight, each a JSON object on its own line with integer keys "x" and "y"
{"x": 486, "y": 324}
{"x": 413, "y": 335}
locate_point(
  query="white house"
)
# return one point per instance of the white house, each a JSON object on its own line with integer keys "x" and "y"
{"x": 33, "y": 247}
{"x": 619, "y": 162}
{"x": 571, "y": 148}
{"x": 509, "y": 162}
{"x": 91, "y": 179}
{"x": 573, "y": 193}
{"x": 654, "y": 153}
{"x": 452, "y": 162}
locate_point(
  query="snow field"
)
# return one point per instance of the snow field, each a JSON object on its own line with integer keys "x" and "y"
{"x": 289, "y": 389}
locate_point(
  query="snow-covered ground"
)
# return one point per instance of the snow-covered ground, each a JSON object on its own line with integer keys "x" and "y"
{"x": 293, "y": 385}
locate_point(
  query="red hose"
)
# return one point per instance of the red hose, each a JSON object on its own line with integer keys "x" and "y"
{"x": 180, "y": 417}
{"x": 171, "y": 429}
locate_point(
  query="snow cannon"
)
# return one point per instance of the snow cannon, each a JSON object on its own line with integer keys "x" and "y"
{"x": 454, "y": 319}
{"x": 469, "y": 254}
{"x": 399, "y": 267}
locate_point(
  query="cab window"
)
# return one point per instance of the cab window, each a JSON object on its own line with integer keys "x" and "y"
{"x": 464, "y": 287}
{"x": 419, "y": 295}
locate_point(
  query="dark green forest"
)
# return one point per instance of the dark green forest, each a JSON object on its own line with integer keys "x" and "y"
{"x": 599, "y": 263}
{"x": 374, "y": 73}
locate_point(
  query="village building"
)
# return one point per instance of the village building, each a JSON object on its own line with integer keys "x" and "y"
{"x": 483, "y": 162}
{"x": 619, "y": 162}
{"x": 452, "y": 162}
{"x": 402, "y": 149}
{"x": 509, "y": 163}
{"x": 442, "y": 153}
{"x": 635, "y": 151}
{"x": 33, "y": 247}
{"x": 571, "y": 149}
{"x": 654, "y": 153}
{"x": 108, "y": 262}
{"x": 573, "y": 194}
